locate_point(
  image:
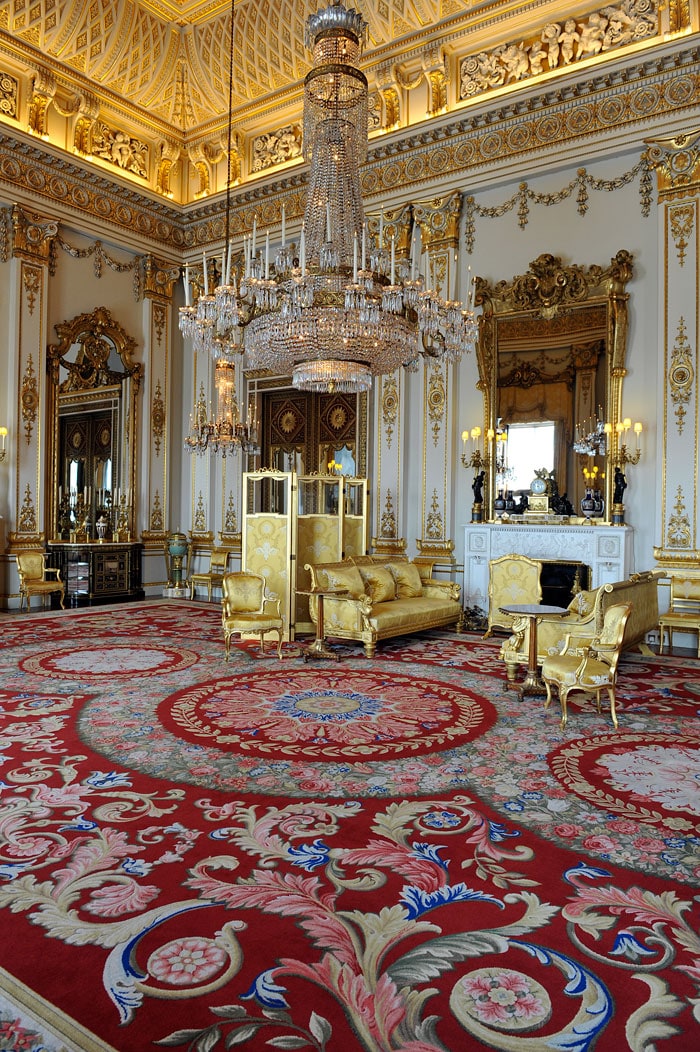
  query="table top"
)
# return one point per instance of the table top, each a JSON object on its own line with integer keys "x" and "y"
{"x": 534, "y": 609}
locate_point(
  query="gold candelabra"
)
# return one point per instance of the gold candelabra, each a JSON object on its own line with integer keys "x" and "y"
{"x": 475, "y": 459}
{"x": 621, "y": 453}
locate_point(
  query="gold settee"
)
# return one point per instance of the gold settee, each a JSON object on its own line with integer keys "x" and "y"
{"x": 585, "y": 620}
{"x": 383, "y": 597}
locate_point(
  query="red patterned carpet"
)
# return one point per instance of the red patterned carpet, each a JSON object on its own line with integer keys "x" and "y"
{"x": 363, "y": 855}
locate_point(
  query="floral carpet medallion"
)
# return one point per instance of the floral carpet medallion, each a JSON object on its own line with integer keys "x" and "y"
{"x": 297, "y": 730}
{"x": 110, "y": 660}
{"x": 652, "y": 778}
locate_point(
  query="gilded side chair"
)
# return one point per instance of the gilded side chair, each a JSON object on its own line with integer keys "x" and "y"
{"x": 246, "y": 608}
{"x": 512, "y": 579}
{"x": 684, "y": 610}
{"x": 36, "y": 578}
{"x": 214, "y": 576}
{"x": 590, "y": 668}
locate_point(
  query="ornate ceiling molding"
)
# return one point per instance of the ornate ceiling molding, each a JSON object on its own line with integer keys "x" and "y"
{"x": 632, "y": 104}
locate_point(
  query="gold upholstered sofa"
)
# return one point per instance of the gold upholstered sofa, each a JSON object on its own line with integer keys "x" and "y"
{"x": 385, "y": 596}
{"x": 585, "y": 620}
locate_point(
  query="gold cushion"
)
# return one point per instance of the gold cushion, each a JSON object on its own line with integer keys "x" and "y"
{"x": 583, "y": 603}
{"x": 340, "y": 578}
{"x": 379, "y": 583}
{"x": 408, "y": 580}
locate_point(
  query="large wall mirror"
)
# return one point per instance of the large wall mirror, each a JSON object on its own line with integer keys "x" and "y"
{"x": 551, "y": 354}
{"x": 93, "y": 387}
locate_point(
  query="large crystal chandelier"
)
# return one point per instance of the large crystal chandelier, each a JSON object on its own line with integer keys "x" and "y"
{"x": 341, "y": 307}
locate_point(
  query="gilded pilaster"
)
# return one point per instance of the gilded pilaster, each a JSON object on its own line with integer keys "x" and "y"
{"x": 439, "y": 225}
{"x": 26, "y": 330}
{"x": 677, "y": 162}
{"x": 153, "y": 480}
{"x": 389, "y": 411}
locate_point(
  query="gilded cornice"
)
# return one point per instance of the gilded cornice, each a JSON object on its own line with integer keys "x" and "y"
{"x": 460, "y": 148}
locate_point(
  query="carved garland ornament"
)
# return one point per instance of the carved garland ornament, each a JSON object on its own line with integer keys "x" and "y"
{"x": 230, "y": 521}
{"x": 156, "y": 521}
{"x": 29, "y": 399}
{"x": 679, "y": 524}
{"x": 387, "y": 524}
{"x": 436, "y": 401}
{"x": 158, "y": 418}
{"x": 434, "y": 528}
{"x": 27, "y": 516}
{"x": 682, "y": 223}
{"x": 681, "y": 375}
{"x": 31, "y": 279}
{"x": 390, "y": 407}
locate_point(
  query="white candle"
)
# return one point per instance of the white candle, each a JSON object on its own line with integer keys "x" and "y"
{"x": 223, "y": 266}
{"x": 364, "y": 244}
{"x": 187, "y": 284}
{"x": 354, "y": 259}
{"x": 206, "y": 276}
{"x": 284, "y": 225}
{"x": 413, "y": 256}
{"x": 393, "y": 260}
{"x": 302, "y": 252}
{"x": 328, "y": 221}
{"x": 381, "y": 230}
{"x": 255, "y": 230}
{"x": 60, "y": 493}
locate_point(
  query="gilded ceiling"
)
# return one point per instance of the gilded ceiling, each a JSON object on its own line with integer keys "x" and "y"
{"x": 171, "y": 58}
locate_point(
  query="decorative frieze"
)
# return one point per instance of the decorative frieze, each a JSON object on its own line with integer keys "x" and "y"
{"x": 119, "y": 148}
{"x": 557, "y": 45}
{"x": 276, "y": 147}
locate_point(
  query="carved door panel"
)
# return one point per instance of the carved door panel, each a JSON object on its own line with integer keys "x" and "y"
{"x": 304, "y": 432}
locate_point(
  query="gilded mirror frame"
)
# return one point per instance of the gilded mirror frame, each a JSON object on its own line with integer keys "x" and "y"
{"x": 92, "y": 381}
{"x": 550, "y": 296}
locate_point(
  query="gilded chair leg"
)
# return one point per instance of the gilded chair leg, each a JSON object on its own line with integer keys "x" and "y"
{"x": 279, "y": 643}
{"x": 227, "y": 638}
{"x": 562, "y": 701}
{"x": 613, "y": 713}
{"x": 548, "y": 699}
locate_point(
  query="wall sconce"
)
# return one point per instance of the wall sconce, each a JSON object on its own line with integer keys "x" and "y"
{"x": 3, "y": 438}
{"x": 476, "y": 459}
{"x": 623, "y": 455}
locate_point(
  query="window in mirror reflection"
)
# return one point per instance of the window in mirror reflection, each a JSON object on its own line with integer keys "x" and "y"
{"x": 530, "y": 447}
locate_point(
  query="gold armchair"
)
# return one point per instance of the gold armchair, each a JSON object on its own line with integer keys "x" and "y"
{"x": 512, "y": 579}
{"x": 591, "y": 668}
{"x": 214, "y": 576}
{"x": 247, "y": 609}
{"x": 34, "y": 578}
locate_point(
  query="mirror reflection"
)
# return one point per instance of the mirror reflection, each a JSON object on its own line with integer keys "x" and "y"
{"x": 551, "y": 353}
{"x": 92, "y": 412}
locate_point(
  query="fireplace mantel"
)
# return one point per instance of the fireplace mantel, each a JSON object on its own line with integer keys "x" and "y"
{"x": 606, "y": 549}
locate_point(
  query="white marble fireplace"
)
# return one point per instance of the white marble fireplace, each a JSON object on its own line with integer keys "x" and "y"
{"x": 608, "y": 550}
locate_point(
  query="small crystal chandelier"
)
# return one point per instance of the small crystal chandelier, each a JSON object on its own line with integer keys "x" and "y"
{"x": 226, "y": 432}
{"x": 339, "y": 310}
